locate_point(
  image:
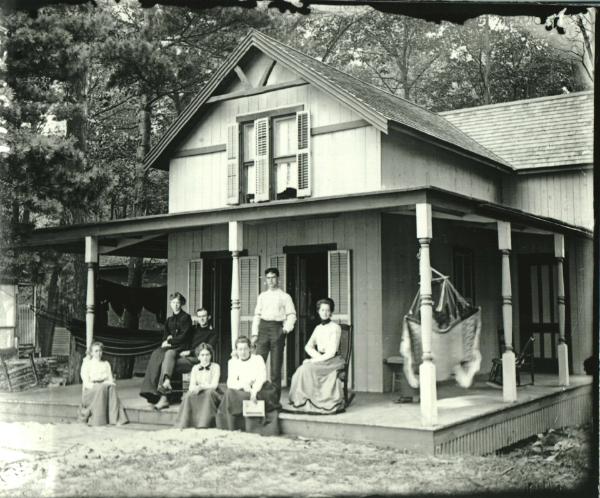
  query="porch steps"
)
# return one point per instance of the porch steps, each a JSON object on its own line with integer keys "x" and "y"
{"x": 474, "y": 423}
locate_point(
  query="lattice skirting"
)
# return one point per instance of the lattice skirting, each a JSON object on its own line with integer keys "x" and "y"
{"x": 488, "y": 434}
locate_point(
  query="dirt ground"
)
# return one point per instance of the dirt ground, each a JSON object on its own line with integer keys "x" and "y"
{"x": 75, "y": 460}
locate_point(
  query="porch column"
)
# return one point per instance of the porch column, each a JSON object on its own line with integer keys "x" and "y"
{"x": 562, "y": 350}
{"x": 509, "y": 372}
{"x": 236, "y": 244}
{"x": 427, "y": 374}
{"x": 91, "y": 259}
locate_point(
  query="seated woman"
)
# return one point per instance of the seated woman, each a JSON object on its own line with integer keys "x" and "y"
{"x": 176, "y": 338}
{"x": 199, "y": 405}
{"x": 247, "y": 380}
{"x": 315, "y": 385}
{"x": 100, "y": 404}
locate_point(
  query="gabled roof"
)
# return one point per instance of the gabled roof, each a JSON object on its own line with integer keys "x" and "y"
{"x": 534, "y": 133}
{"x": 378, "y": 107}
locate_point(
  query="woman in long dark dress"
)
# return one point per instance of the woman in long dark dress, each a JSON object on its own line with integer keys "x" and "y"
{"x": 199, "y": 405}
{"x": 315, "y": 385}
{"x": 100, "y": 404}
{"x": 247, "y": 380}
{"x": 176, "y": 338}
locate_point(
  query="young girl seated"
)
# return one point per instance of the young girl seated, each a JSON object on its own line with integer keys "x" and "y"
{"x": 199, "y": 405}
{"x": 100, "y": 404}
{"x": 247, "y": 380}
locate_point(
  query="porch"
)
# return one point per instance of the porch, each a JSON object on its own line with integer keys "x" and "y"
{"x": 372, "y": 288}
{"x": 474, "y": 421}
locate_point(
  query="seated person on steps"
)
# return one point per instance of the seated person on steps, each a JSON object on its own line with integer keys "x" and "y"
{"x": 176, "y": 338}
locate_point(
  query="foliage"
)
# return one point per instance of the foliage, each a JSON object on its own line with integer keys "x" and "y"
{"x": 90, "y": 89}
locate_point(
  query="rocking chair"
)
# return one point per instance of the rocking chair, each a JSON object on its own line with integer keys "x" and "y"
{"x": 523, "y": 363}
{"x": 345, "y": 350}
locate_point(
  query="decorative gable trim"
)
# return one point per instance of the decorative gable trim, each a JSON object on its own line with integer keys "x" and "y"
{"x": 158, "y": 155}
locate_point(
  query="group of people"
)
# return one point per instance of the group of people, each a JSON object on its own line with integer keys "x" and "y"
{"x": 315, "y": 386}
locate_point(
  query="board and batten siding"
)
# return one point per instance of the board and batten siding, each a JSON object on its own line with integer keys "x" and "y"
{"x": 349, "y": 158}
{"x": 565, "y": 196}
{"x": 400, "y": 278}
{"x": 408, "y": 162}
{"x": 358, "y": 232}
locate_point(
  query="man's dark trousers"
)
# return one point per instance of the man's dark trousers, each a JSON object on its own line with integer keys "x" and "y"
{"x": 271, "y": 339}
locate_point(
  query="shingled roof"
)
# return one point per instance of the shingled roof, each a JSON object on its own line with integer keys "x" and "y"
{"x": 391, "y": 107}
{"x": 534, "y": 133}
{"x": 377, "y": 106}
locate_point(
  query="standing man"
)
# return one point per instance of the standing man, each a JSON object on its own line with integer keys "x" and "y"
{"x": 274, "y": 318}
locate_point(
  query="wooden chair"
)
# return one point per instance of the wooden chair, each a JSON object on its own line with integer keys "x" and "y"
{"x": 523, "y": 363}
{"x": 345, "y": 351}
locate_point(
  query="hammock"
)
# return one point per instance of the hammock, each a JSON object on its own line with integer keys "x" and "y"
{"x": 456, "y": 328}
{"x": 118, "y": 341}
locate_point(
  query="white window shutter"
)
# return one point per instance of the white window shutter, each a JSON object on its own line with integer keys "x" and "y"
{"x": 249, "y": 287}
{"x": 233, "y": 164}
{"x": 262, "y": 159}
{"x": 194, "y": 286}
{"x": 279, "y": 261}
{"x": 303, "y": 156}
{"x": 339, "y": 284}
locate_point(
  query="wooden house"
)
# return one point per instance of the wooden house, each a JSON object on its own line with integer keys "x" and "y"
{"x": 284, "y": 161}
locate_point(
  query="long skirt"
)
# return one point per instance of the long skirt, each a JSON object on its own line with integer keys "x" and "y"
{"x": 149, "y": 389}
{"x": 199, "y": 410}
{"x": 100, "y": 405}
{"x": 230, "y": 414}
{"x": 316, "y": 388}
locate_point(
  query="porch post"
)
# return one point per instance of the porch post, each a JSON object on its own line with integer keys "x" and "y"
{"x": 236, "y": 244}
{"x": 91, "y": 259}
{"x": 562, "y": 350}
{"x": 509, "y": 372}
{"x": 427, "y": 380}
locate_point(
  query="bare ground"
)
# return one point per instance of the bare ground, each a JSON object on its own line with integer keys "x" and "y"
{"x": 75, "y": 460}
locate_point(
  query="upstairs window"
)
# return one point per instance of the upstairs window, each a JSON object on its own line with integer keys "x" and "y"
{"x": 248, "y": 168}
{"x": 284, "y": 157}
{"x": 273, "y": 162}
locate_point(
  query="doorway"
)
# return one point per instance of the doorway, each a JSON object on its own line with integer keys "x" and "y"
{"x": 307, "y": 282}
{"x": 538, "y": 305}
{"x": 216, "y": 292}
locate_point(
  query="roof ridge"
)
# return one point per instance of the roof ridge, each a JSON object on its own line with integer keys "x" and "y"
{"x": 363, "y": 82}
{"x": 581, "y": 93}
{"x": 492, "y": 154}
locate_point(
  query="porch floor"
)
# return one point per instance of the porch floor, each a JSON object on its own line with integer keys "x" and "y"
{"x": 474, "y": 420}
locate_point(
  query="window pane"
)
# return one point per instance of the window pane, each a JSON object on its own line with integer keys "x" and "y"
{"x": 249, "y": 179}
{"x": 248, "y": 141}
{"x": 545, "y": 294}
{"x": 283, "y": 136}
{"x": 287, "y": 176}
{"x": 535, "y": 304}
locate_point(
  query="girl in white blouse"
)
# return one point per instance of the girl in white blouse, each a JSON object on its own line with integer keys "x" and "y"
{"x": 315, "y": 386}
{"x": 199, "y": 405}
{"x": 247, "y": 380}
{"x": 100, "y": 404}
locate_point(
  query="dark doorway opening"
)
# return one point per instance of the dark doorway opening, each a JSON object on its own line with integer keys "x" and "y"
{"x": 216, "y": 297}
{"x": 306, "y": 284}
{"x": 538, "y": 309}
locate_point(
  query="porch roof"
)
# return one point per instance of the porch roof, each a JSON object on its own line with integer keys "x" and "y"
{"x": 148, "y": 235}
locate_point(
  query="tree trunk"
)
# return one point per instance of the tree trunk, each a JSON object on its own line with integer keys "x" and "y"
{"x": 123, "y": 366}
{"x": 46, "y": 325}
{"x": 75, "y": 360}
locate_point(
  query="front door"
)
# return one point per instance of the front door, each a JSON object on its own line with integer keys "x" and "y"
{"x": 307, "y": 278}
{"x": 538, "y": 306}
{"x": 216, "y": 292}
